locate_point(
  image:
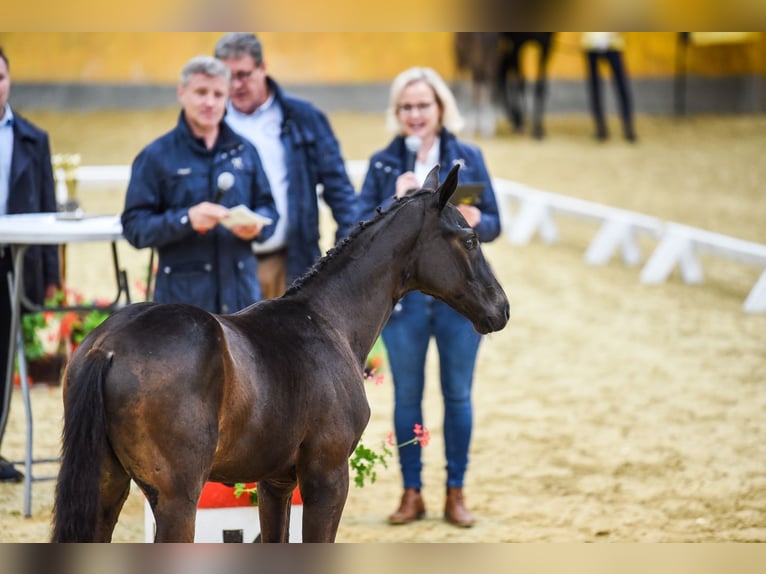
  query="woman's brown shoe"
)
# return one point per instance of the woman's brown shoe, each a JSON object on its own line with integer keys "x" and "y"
{"x": 410, "y": 509}
{"x": 455, "y": 511}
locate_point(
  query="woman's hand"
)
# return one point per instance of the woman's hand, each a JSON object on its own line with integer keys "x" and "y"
{"x": 471, "y": 214}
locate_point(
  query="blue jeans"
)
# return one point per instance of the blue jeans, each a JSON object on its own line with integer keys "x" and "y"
{"x": 406, "y": 335}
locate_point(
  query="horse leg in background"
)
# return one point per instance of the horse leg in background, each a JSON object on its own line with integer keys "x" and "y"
{"x": 541, "y": 89}
{"x": 274, "y": 510}
{"x": 485, "y": 113}
{"x": 477, "y": 53}
{"x": 511, "y": 87}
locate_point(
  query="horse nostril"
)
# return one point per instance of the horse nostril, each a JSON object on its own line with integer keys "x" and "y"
{"x": 507, "y": 311}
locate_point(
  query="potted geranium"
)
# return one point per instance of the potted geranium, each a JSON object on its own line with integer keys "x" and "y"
{"x": 50, "y": 336}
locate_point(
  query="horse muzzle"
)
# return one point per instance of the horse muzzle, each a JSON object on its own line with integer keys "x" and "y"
{"x": 496, "y": 321}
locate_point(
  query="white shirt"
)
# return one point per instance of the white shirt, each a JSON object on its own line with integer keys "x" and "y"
{"x": 6, "y": 155}
{"x": 263, "y": 128}
{"x": 423, "y": 168}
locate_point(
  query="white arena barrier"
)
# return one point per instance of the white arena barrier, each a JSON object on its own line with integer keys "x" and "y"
{"x": 619, "y": 229}
{"x": 222, "y": 517}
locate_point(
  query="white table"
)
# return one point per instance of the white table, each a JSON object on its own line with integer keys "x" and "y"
{"x": 19, "y": 232}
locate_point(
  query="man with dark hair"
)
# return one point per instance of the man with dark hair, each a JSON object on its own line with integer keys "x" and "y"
{"x": 299, "y": 151}
{"x": 26, "y": 186}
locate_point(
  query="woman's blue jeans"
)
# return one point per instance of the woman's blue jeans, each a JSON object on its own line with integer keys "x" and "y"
{"x": 416, "y": 318}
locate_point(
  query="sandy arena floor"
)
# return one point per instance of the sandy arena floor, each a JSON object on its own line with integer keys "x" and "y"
{"x": 606, "y": 411}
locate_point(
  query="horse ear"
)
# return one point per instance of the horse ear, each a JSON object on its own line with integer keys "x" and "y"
{"x": 448, "y": 187}
{"x": 432, "y": 179}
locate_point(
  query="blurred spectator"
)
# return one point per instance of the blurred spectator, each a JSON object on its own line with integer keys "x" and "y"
{"x": 423, "y": 109}
{"x": 179, "y": 188}
{"x": 26, "y": 186}
{"x": 608, "y": 46}
{"x": 299, "y": 151}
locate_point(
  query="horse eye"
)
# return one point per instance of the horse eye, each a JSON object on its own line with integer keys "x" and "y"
{"x": 470, "y": 243}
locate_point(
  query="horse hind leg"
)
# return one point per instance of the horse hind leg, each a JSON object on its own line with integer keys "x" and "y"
{"x": 274, "y": 510}
{"x": 113, "y": 492}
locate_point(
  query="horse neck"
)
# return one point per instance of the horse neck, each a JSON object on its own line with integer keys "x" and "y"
{"x": 356, "y": 288}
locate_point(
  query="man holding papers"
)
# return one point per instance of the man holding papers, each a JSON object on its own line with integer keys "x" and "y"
{"x": 187, "y": 193}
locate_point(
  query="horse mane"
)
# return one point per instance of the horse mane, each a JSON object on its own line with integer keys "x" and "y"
{"x": 342, "y": 246}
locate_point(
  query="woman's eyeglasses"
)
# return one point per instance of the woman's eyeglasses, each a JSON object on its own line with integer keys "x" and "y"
{"x": 409, "y": 108}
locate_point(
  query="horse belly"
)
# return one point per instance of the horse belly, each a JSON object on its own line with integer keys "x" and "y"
{"x": 252, "y": 457}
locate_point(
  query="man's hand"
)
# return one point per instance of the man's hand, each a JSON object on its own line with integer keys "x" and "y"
{"x": 246, "y": 232}
{"x": 206, "y": 215}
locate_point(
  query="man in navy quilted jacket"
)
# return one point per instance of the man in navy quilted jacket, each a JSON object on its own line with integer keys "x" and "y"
{"x": 299, "y": 151}
{"x": 181, "y": 188}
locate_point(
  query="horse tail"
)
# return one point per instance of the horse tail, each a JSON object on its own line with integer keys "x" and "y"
{"x": 84, "y": 440}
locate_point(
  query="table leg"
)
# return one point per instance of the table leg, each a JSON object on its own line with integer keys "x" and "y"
{"x": 28, "y": 413}
{"x": 9, "y": 367}
{"x": 18, "y": 272}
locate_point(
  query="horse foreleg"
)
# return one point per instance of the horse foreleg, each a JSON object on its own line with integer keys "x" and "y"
{"x": 274, "y": 510}
{"x": 324, "y": 497}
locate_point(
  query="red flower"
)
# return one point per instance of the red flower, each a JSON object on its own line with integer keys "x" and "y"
{"x": 422, "y": 435}
{"x": 68, "y": 321}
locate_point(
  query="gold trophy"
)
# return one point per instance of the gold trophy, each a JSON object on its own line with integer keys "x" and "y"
{"x": 65, "y": 174}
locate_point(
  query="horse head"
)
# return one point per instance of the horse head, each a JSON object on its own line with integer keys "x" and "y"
{"x": 449, "y": 263}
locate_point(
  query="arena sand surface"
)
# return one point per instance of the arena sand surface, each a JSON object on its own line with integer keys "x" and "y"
{"x": 605, "y": 411}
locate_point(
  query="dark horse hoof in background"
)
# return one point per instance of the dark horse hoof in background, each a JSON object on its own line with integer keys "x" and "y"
{"x": 171, "y": 396}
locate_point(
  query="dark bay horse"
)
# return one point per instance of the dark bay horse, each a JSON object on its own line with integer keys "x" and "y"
{"x": 171, "y": 396}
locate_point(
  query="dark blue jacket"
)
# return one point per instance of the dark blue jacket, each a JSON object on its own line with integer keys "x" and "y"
{"x": 313, "y": 157}
{"x": 216, "y": 270}
{"x": 31, "y": 191}
{"x": 386, "y": 165}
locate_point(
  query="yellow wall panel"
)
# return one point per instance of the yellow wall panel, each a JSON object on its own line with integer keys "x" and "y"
{"x": 343, "y": 57}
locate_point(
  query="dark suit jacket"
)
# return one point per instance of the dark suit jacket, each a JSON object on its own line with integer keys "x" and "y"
{"x": 31, "y": 191}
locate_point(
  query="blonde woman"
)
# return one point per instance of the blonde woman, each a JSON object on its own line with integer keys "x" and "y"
{"x": 424, "y": 116}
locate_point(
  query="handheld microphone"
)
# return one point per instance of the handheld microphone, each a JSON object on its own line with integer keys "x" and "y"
{"x": 225, "y": 182}
{"x": 412, "y": 143}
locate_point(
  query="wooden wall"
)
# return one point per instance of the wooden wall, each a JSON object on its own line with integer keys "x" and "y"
{"x": 335, "y": 58}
